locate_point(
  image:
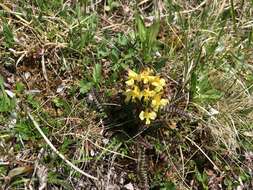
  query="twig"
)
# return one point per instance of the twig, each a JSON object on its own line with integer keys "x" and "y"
{"x": 16, "y": 14}
{"x": 43, "y": 65}
{"x": 109, "y": 173}
{"x": 36, "y": 166}
{"x": 195, "y": 144}
{"x": 57, "y": 152}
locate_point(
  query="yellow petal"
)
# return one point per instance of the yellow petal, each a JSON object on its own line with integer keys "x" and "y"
{"x": 128, "y": 93}
{"x": 154, "y": 106}
{"x": 130, "y": 82}
{"x": 127, "y": 99}
{"x": 148, "y": 93}
{"x": 132, "y": 74}
{"x": 147, "y": 122}
{"x": 162, "y": 82}
{"x": 147, "y": 71}
{"x": 157, "y": 82}
{"x": 152, "y": 115}
{"x": 156, "y": 100}
{"x": 158, "y": 88}
{"x": 164, "y": 102}
{"x": 137, "y": 93}
{"x": 141, "y": 116}
{"x": 145, "y": 80}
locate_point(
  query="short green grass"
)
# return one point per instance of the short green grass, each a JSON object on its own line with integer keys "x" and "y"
{"x": 65, "y": 63}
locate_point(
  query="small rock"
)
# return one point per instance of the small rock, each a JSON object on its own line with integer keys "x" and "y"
{"x": 10, "y": 93}
{"x": 27, "y": 75}
{"x": 129, "y": 186}
{"x": 60, "y": 88}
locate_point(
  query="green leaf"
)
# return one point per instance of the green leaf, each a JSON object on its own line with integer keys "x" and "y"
{"x": 53, "y": 178}
{"x": 199, "y": 177}
{"x": 61, "y": 103}
{"x": 141, "y": 29}
{"x": 19, "y": 171}
{"x": 193, "y": 84}
{"x": 6, "y": 104}
{"x": 66, "y": 145}
{"x": 203, "y": 179}
{"x": 19, "y": 87}
{"x": 202, "y": 89}
{"x": 33, "y": 102}
{"x": 97, "y": 76}
{"x": 24, "y": 130}
{"x": 153, "y": 32}
{"x": 8, "y": 35}
{"x": 85, "y": 86}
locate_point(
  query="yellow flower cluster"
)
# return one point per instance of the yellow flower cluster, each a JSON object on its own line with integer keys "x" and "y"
{"x": 148, "y": 89}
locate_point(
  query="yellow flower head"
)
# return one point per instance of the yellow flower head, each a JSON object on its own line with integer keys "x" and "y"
{"x": 133, "y": 94}
{"x": 146, "y": 75}
{"x": 130, "y": 82}
{"x": 158, "y": 102}
{"x": 132, "y": 77}
{"x": 147, "y": 94}
{"x": 158, "y": 83}
{"x": 147, "y": 72}
{"x": 147, "y": 116}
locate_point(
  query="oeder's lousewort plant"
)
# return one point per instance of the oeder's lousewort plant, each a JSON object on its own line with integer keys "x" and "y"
{"x": 148, "y": 89}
